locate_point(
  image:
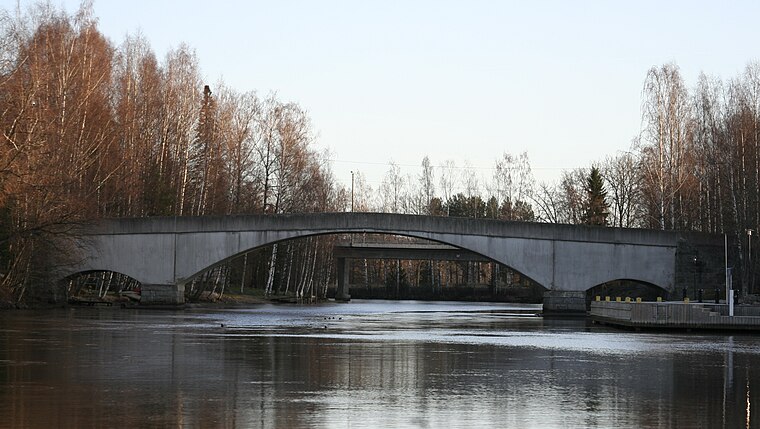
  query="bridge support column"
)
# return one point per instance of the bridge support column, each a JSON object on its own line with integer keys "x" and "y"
{"x": 564, "y": 302}
{"x": 162, "y": 294}
{"x": 341, "y": 294}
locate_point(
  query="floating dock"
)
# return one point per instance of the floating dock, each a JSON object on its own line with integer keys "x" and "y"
{"x": 675, "y": 315}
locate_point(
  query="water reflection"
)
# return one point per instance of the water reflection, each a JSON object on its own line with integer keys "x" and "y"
{"x": 377, "y": 365}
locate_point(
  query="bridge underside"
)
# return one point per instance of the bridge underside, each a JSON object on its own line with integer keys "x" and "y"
{"x": 416, "y": 251}
{"x": 344, "y": 252}
{"x": 406, "y": 251}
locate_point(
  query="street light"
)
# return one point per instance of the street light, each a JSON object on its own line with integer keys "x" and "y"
{"x": 698, "y": 263}
{"x": 750, "y": 286}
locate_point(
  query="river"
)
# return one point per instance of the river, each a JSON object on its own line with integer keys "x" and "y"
{"x": 366, "y": 364}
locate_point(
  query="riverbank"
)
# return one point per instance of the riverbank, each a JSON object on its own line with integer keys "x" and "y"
{"x": 124, "y": 301}
{"x": 237, "y": 301}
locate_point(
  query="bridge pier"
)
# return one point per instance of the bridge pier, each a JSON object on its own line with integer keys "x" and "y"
{"x": 153, "y": 294}
{"x": 564, "y": 302}
{"x": 341, "y": 294}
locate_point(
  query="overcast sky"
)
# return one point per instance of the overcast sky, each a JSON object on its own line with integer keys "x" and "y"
{"x": 464, "y": 80}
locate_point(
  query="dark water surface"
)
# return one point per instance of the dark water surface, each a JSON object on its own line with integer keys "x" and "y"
{"x": 366, "y": 364}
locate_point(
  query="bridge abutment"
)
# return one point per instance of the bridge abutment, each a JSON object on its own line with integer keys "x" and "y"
{"x": 154, "y": 294}
{"x": 564, "y": 302}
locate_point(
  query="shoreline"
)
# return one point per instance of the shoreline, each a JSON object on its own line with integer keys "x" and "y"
{"x": 226, "y": 301}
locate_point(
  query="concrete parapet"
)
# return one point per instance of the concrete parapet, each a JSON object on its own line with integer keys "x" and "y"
{"x": 162, "y": 294}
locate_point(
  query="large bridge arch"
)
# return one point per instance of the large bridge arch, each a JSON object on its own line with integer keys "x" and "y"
{"x": 485, "y": 258}
{"x": 562, "y": 258}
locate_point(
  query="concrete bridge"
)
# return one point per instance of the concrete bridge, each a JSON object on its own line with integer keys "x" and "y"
{"x": 164, "y": 253}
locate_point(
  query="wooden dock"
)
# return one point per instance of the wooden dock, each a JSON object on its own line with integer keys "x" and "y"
{"x": 675, "y": 315}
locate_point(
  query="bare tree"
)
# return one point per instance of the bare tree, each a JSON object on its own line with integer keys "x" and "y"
{"x": 181, "y": 98}
{"x": 512, "y": 185}
{"x": 447, "y": 179}
{"x": 665, "y": 144}
{"x": 58, "y": 154}
{"x": 573, "y": 194}
{"x": 138, "y": 111}
{"x": 709, "y": 137}
{"x": 240, "y": 138}
{"x": 392, "y": 189}
{"x": 363, "y": 195}
{"x": 549, "y": 202}
{"x": 427, "y": 185}
{"x": 622, "y": 176}
{"x": 470, "y": 180}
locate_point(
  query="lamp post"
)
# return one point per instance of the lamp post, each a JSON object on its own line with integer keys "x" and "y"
{"x": 698, "y": 264}
{"x": 696, "y": 268}
{"x": 751, "y": 282}
{"x": 352, "y": 191}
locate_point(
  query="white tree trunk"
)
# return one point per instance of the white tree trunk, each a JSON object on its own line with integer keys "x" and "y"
{"x": 272, "y": 265}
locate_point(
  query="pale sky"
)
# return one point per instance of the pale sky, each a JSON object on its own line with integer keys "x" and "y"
{"x": 464, "y": 80}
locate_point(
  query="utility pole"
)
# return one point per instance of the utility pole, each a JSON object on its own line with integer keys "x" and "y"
{"x": 352, "y": 191}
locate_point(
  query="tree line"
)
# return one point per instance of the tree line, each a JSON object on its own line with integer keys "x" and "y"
{"x": 695, "y": 165}
{"x": 92, "y": 129}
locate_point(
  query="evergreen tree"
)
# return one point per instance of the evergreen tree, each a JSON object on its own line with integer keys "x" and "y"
{"x": 461, "y": 206}
{"x": 597, "y": 208}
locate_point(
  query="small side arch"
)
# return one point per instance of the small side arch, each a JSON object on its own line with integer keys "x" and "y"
{"x": 627, "y": 288}
{"x": 100, "y": 285}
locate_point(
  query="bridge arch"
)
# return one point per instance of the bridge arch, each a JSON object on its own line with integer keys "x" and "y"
{"x": 88, "y": 282}
{"x": 285, "y": 240}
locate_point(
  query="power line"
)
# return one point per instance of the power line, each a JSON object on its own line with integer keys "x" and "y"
{"x": 458, "y": 167}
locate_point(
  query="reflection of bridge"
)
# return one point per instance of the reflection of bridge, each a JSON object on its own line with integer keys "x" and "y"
{"x": 165, "y": 253}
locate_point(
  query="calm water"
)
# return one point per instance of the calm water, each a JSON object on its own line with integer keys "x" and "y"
{"x": 365, "y": 364}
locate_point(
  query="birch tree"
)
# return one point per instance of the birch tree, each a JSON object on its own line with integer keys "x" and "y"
{"x": 392, "y": 189}
{"x": 426, "y": 185}
{"x": 447, "y": 179}
{"x": 665, "y": 144}
{"x": 138, "y": 109}
{"x": 181, "y": 98}
{"x": 512, "y": 186}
